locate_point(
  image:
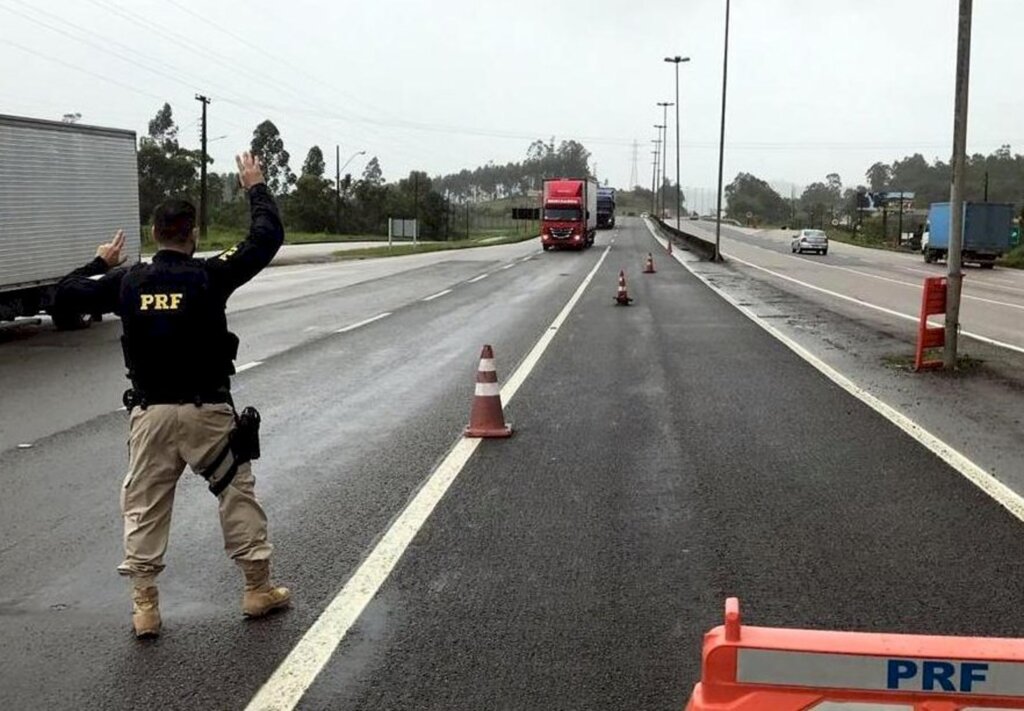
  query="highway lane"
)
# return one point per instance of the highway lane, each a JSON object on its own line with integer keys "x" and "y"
{"x": 352, "y": 423}
{"x": 992, "y": 307}
{"x": 52, "y": 381}
{"x": 668, "y": 455}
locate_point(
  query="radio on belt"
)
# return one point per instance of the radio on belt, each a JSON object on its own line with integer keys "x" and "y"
{"x": 756, "y": 668}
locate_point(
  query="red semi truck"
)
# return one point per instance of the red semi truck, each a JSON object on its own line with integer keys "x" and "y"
{"x": 569, "y": 213}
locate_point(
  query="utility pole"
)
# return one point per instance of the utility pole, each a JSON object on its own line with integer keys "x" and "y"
{"x": 721, "y": 139}
{"x": 337, "y": 189}
{"x": 416, "y": 206}
{"x": 664, "y": 161}
{"x": 679, "y": 197}
{"x": 658, "y": 171}
{"x": 632, "y": 174}
{"x": 986, "y": 186}
{"x": 203, "y": 196}
{"x": 899, "y": 233}
{"x": 956, "y": 193}
{"x": 654, "y": 179}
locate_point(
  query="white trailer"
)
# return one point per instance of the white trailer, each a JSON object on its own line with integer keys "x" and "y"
{"x": 64, "y": 188}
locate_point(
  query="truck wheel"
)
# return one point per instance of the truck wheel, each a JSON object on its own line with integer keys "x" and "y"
{"x": 546, "y": 247}
{"x": 929, "y": 256}
{"x": 64, "y": 321}
{"x": 987, "y": 265}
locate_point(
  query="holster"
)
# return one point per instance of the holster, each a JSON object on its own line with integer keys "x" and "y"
{"x": 243, "y": 445}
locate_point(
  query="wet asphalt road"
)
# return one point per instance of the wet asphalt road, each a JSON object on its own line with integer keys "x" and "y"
{"x": 992, "y": 304}
{"x": 666, "y": 455}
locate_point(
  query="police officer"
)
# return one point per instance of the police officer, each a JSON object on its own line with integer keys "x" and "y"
{"x": 179, "y": 354}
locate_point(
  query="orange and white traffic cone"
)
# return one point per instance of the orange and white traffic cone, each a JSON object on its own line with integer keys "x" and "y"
{"x": 622, "y": 296}
{"x": 486, "y": 418}
{"x": 649, "y": 264}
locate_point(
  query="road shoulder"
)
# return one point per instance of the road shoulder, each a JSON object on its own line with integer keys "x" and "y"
{"x": 977, "y": 412}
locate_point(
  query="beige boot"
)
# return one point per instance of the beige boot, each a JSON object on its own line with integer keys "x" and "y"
{"x": 146, "y": 612}
{"x": 260, "y": 597}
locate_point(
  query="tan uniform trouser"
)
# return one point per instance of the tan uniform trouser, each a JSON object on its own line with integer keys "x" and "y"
{"x": 163, "y": 439}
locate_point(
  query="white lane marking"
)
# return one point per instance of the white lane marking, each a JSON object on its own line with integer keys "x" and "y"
{"x": 248, "y": 366}
{"x": 508, "y": 266}
{"x": 861, "y": 302}
{"x": 1003, "y": 495}
{"x": 438, "y": 295}
{"x": 474, "y": 280}
{"x": 289, "y": 682}
{"x": 364, "y": 322}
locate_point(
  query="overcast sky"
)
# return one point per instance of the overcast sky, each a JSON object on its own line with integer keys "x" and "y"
{"x": 815, "y": 85}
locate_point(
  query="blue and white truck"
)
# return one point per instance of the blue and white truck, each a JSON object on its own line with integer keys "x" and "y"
{"x": 605, "y": 208}
{"x": 986, "y": 232}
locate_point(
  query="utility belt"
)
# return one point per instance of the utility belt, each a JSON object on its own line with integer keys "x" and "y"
{"x": 133, "y": 398}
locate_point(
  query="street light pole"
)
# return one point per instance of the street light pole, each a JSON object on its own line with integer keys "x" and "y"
{"x": 956, "y": 198}
{"x": 721, "y": 139}
{"x": 337, "y": 183}
{"x": 662, "y": 145}
{"x": 679, "y": 198}
{"x": 664, "y": 161}
{"x": 654, "y": 179}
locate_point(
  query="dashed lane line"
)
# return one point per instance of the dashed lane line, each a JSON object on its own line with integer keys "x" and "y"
{"x": 475, "y": 279}
{"x": 438, "y": 295}
{"x": 364, "y": 322}
{"x": 248, "y": 366}
{"x": 287, "y": 685}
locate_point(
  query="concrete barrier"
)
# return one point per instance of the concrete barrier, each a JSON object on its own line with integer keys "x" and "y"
{"x": 698, "y": 245}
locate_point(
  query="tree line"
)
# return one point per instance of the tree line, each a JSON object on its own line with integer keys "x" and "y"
{"x": 313, "y": 202}
{"x": 1000, "y": 175}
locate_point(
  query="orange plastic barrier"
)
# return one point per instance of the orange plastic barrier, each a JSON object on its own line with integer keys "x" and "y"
{"x": 764, "y": 669}
{"x": 933, "y": 302}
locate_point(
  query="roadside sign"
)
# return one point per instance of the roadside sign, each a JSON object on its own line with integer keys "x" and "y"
{"x": 749, "y": 215}
{"x": 835, "y": 223}
{"x": 1015, "y": 236}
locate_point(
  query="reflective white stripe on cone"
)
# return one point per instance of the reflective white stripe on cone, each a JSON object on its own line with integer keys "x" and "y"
{"x": 487, "y": 419}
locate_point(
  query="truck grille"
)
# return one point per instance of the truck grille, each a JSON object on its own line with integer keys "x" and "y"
{"x": 561, "y": 233}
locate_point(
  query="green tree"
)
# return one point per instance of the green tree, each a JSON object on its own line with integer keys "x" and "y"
{"x": 878, "y": 176}
{"x": 269, "y": 146}
{"x": 748, "y": 193}
{"x": 166, "y": 169}
{"x": 311, "y": 204}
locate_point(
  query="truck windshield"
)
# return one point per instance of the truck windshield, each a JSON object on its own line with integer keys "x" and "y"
{"x": 566, "y": 214}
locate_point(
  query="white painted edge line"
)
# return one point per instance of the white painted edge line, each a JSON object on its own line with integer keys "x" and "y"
{"x": 438, "y": 295}
{"x": 289, "y": 682}
{"x": 248, "y": 366}
{"x": 861, "y": 302}
{"x": 507, "y": 266}
{"x": 364, "y": 322}
{"x": 475, "y": 279}
{"x": 1003, "y": 495}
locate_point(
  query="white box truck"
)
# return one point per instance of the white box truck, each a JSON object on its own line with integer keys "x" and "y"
{"x": 64, "y": 189}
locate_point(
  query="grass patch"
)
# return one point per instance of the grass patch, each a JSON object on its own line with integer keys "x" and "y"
{"x": 1014, "y": 259}
{"x": 219, "y": 238}
{"x": 404, "y": 249}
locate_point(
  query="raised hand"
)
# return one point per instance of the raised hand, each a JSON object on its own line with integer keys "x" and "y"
{"x": 250, "y": 172}
{"x": 111, "y": 251}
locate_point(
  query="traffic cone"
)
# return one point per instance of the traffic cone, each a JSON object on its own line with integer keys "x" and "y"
{"x": 649, "y": 264}
{"x": 486, "y": 418}
{"x": 622, "y": 296}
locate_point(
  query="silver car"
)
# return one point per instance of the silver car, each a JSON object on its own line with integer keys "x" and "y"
{"x": 810, "y": 241}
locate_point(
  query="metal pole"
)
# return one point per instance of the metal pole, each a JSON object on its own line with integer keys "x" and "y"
{"x": 899, "y": 234}
{"x": 721, "y": 139}
{"x": 956, "y": 193}
{"x": 203, "y": 197}
{"x": 986, "y": 186}
{"x": 337, "y": 189}
{"x": 679, "y": 196}
{"x": 661, "y": 158}
{"x": 664, "y": 163}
